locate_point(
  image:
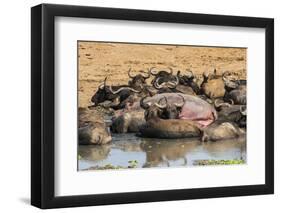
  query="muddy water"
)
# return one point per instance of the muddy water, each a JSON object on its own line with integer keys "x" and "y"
{"x": 158, "y": 152}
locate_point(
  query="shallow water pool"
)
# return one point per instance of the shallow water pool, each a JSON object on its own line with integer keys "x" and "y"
{"x": 151, "y": 152}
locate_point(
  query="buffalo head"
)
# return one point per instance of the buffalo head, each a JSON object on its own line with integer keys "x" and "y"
{"x": 188, "y": 80}
{"x": 138, "y": 81}
{"x": 162, "y": 110}
{"x": 114, "y": 94}
{"x": 163, "y": 76}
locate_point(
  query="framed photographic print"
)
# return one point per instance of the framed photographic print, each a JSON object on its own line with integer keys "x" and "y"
{"x": 140, "y": 106}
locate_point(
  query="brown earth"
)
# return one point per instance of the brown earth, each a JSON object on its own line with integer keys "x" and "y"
{"x": 98, "y": 60}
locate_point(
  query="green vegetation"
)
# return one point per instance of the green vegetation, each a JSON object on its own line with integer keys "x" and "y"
{"x": 132, "y": 164}
{"x": 107, "y": 166}
{"x": 217, "y": 162}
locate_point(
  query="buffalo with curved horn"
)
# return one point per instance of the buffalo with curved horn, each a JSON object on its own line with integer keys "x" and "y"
{"x": 187, "y": 81}
{"x": 138, "y": 82}
{"x": 112, "y": 96}
{"x": 157, "y": 127}
{"x": 163, "y": 76}
{"x": 163, "y": 111}
{"x": 231, "y": 113}
{"x": 166, "y": 86}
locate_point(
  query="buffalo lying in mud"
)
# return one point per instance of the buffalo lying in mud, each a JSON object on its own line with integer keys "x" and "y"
{"x": 238, "y": 95}
{"x": 164, "y": 77}
{"x": 188, "y": 80}
{"x": 194, "y": 108}
{"x": 129, "y": 121}
{"x": 233, "y": 113}
{"x": 92, "y": 130}
{"x": 138, "y": 82}
{"x": 213, "y": 85}
{"x": 236, "y": 90}
{"x": 163, "y": 111}
{"x": 156, "y": 127}
{"x": 220, "y": 130}
{"x": 112, "y": 96}
{"x": 166, "y": 87}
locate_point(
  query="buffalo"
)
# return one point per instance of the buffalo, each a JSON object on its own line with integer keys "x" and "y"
{"x": 112, "y": 96}
{"x": 156, "y": 127}
{"x": 92, "y": 130}
{"x": 163, "y": 111}
{"x": 194, "y": 108}
{"x": 233, "y": 113}
{"x": 188, "y": 80}
{"x": 220, "y": 130}
{"x": 128, "y": 122}
{"x": 238, "y": 95}
{"x": 213, "y": 85}
{"x": 138, "y": 82}
{"x": 166, "y": 87}
{"x": 163, "y": 76}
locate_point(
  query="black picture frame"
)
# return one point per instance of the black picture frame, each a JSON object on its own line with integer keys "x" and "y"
{"x": 43, "y": 117}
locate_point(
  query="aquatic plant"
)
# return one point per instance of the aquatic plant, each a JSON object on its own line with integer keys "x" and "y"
{"x": 217, "y": 162}
{"x": 133, "y": 163}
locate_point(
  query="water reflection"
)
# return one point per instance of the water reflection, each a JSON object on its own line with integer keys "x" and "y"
{"x": 163, "y": 152}
{"x": 158, "y": 152}
{"x": 94, "y": 153}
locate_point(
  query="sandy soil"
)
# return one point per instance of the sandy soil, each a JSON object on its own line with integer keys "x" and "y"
{"x": 98, "y": 60}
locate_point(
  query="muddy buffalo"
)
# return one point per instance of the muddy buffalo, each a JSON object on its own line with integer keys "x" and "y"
{"x": 194, "y": 108}
{"x": 233, "y": 113}
{"x": 156, "y": 127}
{"x": 213, "y": 85}
{"x": 129, "y": 121}
{"x": 238, "y": 95}
{"x": 220, "y": 130}
{"x": 188, "y": 80}
{"x": 92, "y": 130}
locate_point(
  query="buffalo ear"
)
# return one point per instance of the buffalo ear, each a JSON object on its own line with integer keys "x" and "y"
{"x": 179, "y": 108}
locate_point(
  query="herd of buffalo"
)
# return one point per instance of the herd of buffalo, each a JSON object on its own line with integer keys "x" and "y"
{"x": 172, "y": 105}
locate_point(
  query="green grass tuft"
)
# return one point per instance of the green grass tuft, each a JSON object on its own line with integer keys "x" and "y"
{"x": 217, "y": 162}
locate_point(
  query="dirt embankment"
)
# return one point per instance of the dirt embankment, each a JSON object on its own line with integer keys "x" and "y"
{"x": 98, "y": 60}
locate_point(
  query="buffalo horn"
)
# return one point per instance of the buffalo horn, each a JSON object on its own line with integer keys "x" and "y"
{"x": 156, "y": 84}
{"x": 189, "y": 74}
{"x": 144, "y": 105}
{"x": 162, "y": 106}
{"x": 171, "y": 70}
{"x": 129, "y": 73}
{"x": 123, "y": 88}
{"x": 217, "y": 105}
{"x": 153, "y": 72}
{"x": 146, "y": 75}
{"x": 243, "y": 110}
{"x": 102, "y": 86}
{"x": 183, "y": 101}
{"x": 224, "y": 78}
{"x": 174, "y": 84}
